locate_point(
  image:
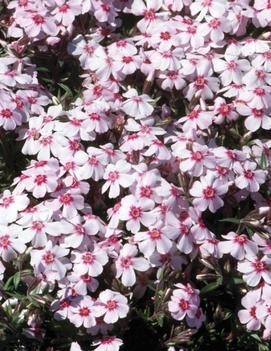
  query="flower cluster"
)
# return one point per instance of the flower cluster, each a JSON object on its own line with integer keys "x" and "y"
{"x": 125, "y": 183}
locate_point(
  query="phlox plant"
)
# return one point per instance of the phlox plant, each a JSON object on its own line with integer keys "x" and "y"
{"x": 135, "y": 160}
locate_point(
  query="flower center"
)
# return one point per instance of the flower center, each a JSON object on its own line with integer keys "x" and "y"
{"x": 209, "y": 192}
{"x": 38, "y": 19}
{"x": 66, "y": 199}
{"x": 113, "y": 176}
{"x": 48, "y": 257}
{"x": 111, "y": 305}
{"x": 126, "y": 262}
{"x": 6, "y": 113}
{"x": 84, "y": 311}
{"x": 40, "y": 179}
{"x": 155, "y": 234}
{"x": 4, "y": 241}
{"x": 183, "y": 304}
{"x": 135, "y": 212}
{"x": 88, "y": 258}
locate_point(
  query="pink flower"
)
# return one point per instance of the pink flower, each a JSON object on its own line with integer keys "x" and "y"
{"x": 137, "y": 106}
{"x": 183, "y": 303}
{"x": 112, "y": 306}
{"x": 238, "y": 246}
{"x": 10, "y": 205}
{"x": 249, "y": 315}
{"x": 136, "y": 211}
{"x": 51, "y": 261}
{"x": 127, "y": 263}
{"x": 83, "y": 313}
{"x": 248, "y": 177}
{"x": 255, "y": 269}
{"x": 36, "y": 22}
{"x": 207, "y": 193}
{"x": 156, "y": 238}
{"x": 117, "y": 175}
{"x": 90, "y": 262}
{"x": 108, "y": 343}
{"x": 10, "y": 242}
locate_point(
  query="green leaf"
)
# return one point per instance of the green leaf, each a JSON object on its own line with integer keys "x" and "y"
{"x": 65, "y": 88}
{"x": 211, "y": 287}
{"x": 16, "y": 279}
{"x": 263, "y": 161}
{"x": 231, "y": 220}
{"x": 237, "y": 281}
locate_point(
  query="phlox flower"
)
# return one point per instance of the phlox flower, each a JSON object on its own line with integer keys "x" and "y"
{"x": 249, "y": 315}
{"x": 136, "y": 211}
{"x": 255, "y": 269}
{"x": 207, "y": 192}
{"x": 157, "y": 238}
{"x": 51, "y": 260}
{"x": 112, "y": 305}
{"x": 137, "y": 106}
{"x": 127, "y": 263}
{"x": 248, "y": 176}
{"x": 83, "y": 313}
{"x": 89, "y": 262}
{"x": 238, "y": 246}
{"x": 117, "y": 175}
{"x": 10, "y": 205}
{"x": 108, "y": 343}
{"x": 10, "y": 242}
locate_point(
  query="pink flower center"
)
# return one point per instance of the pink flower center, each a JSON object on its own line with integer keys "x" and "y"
{"x": 224, "y": 109}
{"x": 192, "y": 29}
{"x": 7, "y": 201}
{"x": 200, "y": 82}
{"x": 135, "y": 212}
{"x": 4, "y": 241}
{"x": 193, "y": 114}
{"x": 40, "y": 179}
{"x": 165, "y": 35}
{"x": 48, "y": 257}
{"x": 66, "y": 199}
{"x": 240, "y": 239}
{"x": 111, "y": 305}
{"x": 126, "y": 262}
{"x": 38, "y": 19}
{"x": 6, "y": 113}
{"x": 197, "y": 156}
{"x": 64, "y": 8}
{"x": 86, "y": 278}
{"x": 259, "y": 91}
{"x": 127, "y": 59}
{"x": 149, "y": 14}
{"x": 155, "y": 234}
{"x": 74, "y": 145}
{"x": 232, "y": 65}
{"x": 146, "y": 191}
{"x": 64, "y": 304}
{"x": 88, "y": 258}
{"x": 183, "y": 304}
{"x": 37, "y": 225}
{"x": 84, "y": 311}
{"x": 113, "y": 176}
{"x": 209, "y": 192}
{"x": 94, "y": 116}
{"x": 107, "y": 341}
{"x": 184, "y": 230}
{"x": 252, "y": 312}
{"x": 260, "y": 266}
{"x": 249, "y": 174}
{"x": 214, "y": 23}
{"x": 258, "y": 113}
{"x": 105, "y": 8}
{"x": 93, "y": 161}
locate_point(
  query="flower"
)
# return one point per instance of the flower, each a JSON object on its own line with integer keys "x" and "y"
{"x": 127, "y": 262}
{"x": 207, "y": 191}
{"x": 112, "y": 306}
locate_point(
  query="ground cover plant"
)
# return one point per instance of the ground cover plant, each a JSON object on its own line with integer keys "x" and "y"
{"x": 135, "y": 175}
